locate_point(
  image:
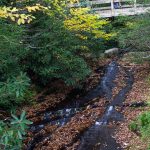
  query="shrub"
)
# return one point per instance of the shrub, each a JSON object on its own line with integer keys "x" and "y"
{"x": 12, "y": 133}
{"x": 53, "y": 53}
{"x": 12, "y": 91}
{"x": 12, "y": 50}
{"x": 136, "y": 34}
{"x": 142, "y": 125}
{"x": 133, "y": 126}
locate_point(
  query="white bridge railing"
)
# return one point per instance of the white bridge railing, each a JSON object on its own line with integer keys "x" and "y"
{"x": 107, "y": 8}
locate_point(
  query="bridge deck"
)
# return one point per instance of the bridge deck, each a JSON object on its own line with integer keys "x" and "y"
{"x": 122, "y": 12}
{"x": 106, "y": 8}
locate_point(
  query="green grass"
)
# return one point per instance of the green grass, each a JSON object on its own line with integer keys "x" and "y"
{"x": 142, "y": 126}
{"x": 137, "y": 57}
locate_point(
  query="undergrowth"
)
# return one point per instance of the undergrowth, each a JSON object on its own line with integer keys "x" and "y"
{"x": 142, "y": 126}
{"x": 12, "y": 133}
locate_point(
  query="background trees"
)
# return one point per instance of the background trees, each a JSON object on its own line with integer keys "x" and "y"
{"x": 138, "y": 33}
{"x": 43, "y": 41}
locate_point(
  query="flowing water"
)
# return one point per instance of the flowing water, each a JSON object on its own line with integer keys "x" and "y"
{"x": 100, "y": 135}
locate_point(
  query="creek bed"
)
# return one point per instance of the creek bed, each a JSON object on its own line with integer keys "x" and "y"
{"x": 100, "y": 135}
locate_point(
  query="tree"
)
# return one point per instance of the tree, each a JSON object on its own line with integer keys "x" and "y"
{"x": 46, "y": 40}
{"x": 137, "y": 37}
{"x": 61, "y": 57}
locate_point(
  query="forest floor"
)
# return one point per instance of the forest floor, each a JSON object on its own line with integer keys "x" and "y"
{"x": 140, "y": 93}
{"x": 67, "y": 136}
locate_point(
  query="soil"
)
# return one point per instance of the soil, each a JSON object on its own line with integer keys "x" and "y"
{"x": 139, "y": 93}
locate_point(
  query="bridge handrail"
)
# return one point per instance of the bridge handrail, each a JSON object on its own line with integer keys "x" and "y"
{"x": 94, "y": 2}
{"x": 96, "y": 6}
{"x": 107, "y": 1}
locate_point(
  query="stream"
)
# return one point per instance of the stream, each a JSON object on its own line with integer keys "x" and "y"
{"x": 100, "y": 135}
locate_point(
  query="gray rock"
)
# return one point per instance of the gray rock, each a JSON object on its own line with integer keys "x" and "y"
{"x": 111, "y": 52}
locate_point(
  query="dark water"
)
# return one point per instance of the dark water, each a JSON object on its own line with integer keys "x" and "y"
{"x": 99, "y": 136}
{"x": 64, "y": 113}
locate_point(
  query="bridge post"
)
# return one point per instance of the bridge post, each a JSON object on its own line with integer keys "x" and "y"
{"x": 88, "y": 3}
{"x": 112, "y": 8}
{"x": 135, "y": 6}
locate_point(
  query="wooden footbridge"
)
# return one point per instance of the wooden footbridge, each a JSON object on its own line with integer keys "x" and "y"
{"x": 112, "y": 8}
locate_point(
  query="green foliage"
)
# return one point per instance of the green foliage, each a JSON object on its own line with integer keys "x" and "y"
{"x": 13, "y": 82}
{"x": 55, "y": 51}
{"x": 54, "y": 46}
{"x": 4, "y": 2}
{"x": 119, "y": 26}
{"x": 12, "y": 134}
{"x": 11, "y": 49}
{"x": 13, "y": 90}
{"x": 14, "y": 85}
{"x": 143, "y": 1}
{"x": 60, "y": 40}
{"x": 142, "y": 125}
{"x": 136, "y": 32}
{"x": 133, "y": 126}
{"x": 133, "y": 35}
{"x": 137, "y": 57}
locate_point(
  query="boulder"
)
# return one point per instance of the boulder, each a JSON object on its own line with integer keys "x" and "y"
{"x": 111, "y": 52}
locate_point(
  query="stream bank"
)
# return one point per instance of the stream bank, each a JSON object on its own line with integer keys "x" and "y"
{"x": 138, "y": 94}
{"x": 68, "y": 127}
